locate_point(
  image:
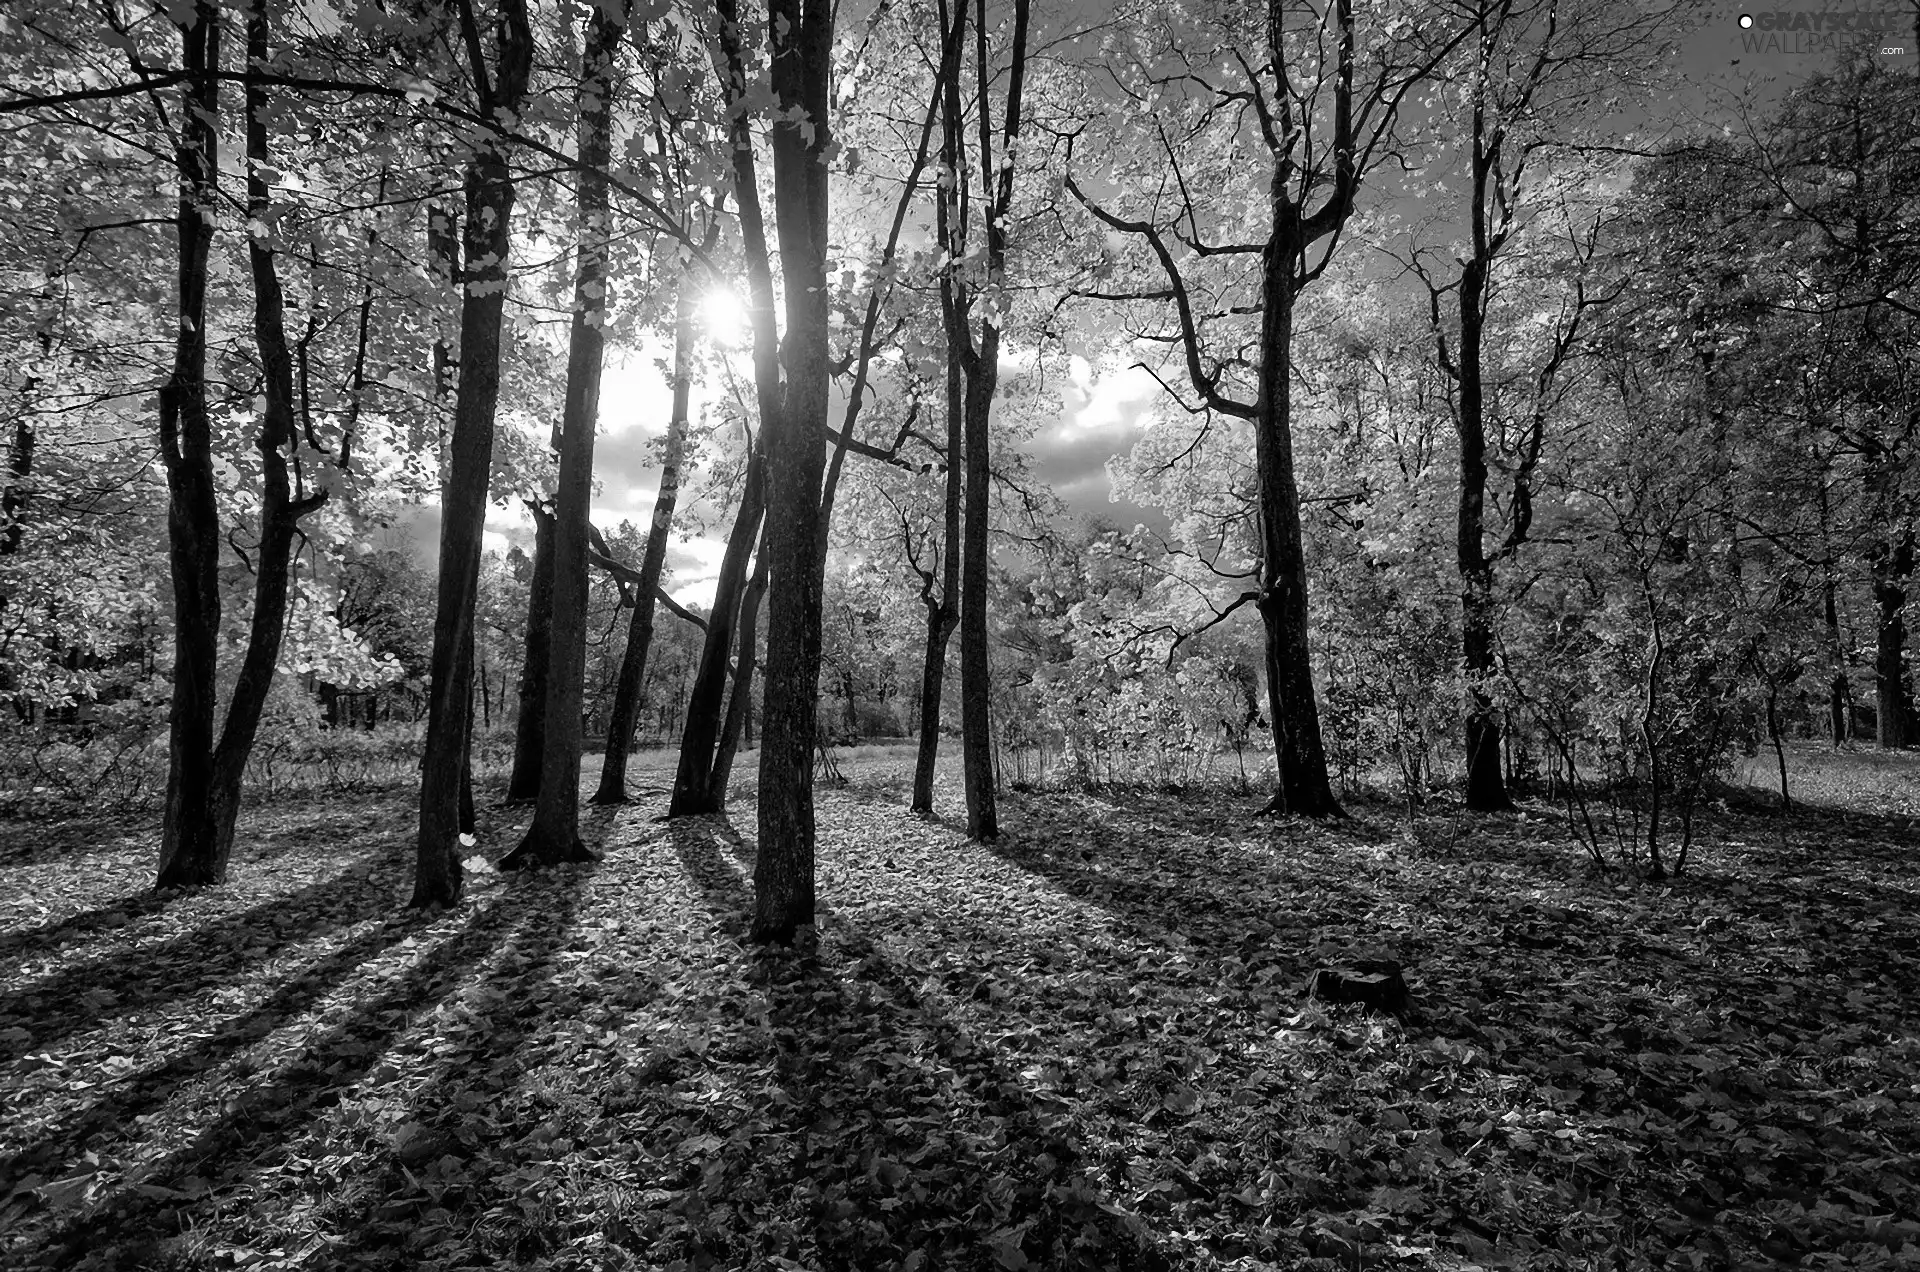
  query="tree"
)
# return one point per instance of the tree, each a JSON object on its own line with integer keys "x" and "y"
{"x": 1817, "y": 203}
{"x": 979, "y": 362}
{"x": 941, "y": 602}
{"x": 203, "y": 799}
{"x": 1321, "y": 109}
{"x": 625, "y": 713}
{"x": 554, "y": 835}
{"x": 793, "y": 404}
{"x": 488, "y": 245}
{"x": 1840, "y": 159}
{"x": 189, "y": 853}
{"x": 1530, "y": 69}
{"x": 694, "y": 793}
{"x": 529, "y": 730}
{"x": 740, "y": 697}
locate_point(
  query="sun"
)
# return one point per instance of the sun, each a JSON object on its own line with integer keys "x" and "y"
{"x": 724, "y": 315}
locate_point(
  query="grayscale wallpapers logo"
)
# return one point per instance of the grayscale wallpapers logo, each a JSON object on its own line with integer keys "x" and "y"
{"x": 1804, "y": 31}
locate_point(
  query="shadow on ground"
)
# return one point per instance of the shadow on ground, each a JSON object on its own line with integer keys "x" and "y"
{"x": 207, "y": 1173}
{"x": 904, "y": 1136}
{"x": 146, "y": 977}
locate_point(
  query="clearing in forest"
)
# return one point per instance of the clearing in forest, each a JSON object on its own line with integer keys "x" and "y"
{"x": 1082, "y": 1047}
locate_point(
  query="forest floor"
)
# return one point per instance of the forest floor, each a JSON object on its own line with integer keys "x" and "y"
{"x": 1083, "y": 1047}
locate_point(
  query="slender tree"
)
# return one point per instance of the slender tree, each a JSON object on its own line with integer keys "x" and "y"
{"x": 554, "y": 835}
{"x": 625, "y": 712}
{"x": 529, "y": 730}
{"x": 979, "y": 359}
{"x": 488, "y": 227}
{"x": 188, "y": 852}
{"x": 1324, "y": 100}
{"x": 197, "y": 853}
{"x": 740, "y": 697}
{"x": 1519, "y": 55}
{"x": 942, "y": 605}
{"x": 694, "y": 793}
{"x": 791, "y": 377}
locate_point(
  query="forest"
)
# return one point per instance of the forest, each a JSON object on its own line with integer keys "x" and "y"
{"x": 925, "y": 634}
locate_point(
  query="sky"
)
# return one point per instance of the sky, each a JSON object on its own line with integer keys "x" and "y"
{"x": 1103, "y": 410}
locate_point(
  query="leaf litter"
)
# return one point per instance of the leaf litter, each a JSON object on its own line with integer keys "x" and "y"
{"x": 1082, "y": 1047}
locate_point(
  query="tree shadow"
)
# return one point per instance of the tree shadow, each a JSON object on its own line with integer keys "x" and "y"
{"x": 901, "y": 1131}
{"x": 1163, "y": 877}
{"x": 597, "y": 822}
{"x": 389, "y": 1213}
{"x": 704, "y": 845}
{"x": 43, "y": 842}
{"x": 116, "y": 915}
{"x": 208, "y": 957}
{"x": 88, "y": 1128}
{"x": 174, "y": 1192}
{"x": 1631, "y": 1031}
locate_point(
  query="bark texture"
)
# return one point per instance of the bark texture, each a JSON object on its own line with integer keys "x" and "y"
{"x": 793, "y": 405}
{"x": 188, "y": 853}
{"x": 1304, "y": 788}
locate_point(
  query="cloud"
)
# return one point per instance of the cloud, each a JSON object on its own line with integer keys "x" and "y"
{"x": 626, "y": 466}
{"x": 693, "y": 567}
{"x": 1103, "y": 416}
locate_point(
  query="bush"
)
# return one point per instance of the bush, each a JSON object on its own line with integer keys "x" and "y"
{"x": 117, "y": 760}
{"x": 112, "y": 771}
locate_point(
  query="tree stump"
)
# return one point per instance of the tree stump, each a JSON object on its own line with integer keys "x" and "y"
{"x": 1375, "y": 983}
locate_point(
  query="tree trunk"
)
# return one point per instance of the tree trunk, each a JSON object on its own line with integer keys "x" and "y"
{"x": 625, "y": 713}
{"x": 976, "y": 739}
{"x": 1486, "y": 783}
{"x": 280, "y": 508}
{"x": 189, "y": 853}
{"x": 693, "y": 792}
{"x": 850, "y": 711}
{"x": 13, "y": 500}
{"x": 529, "y": 730}
{"x": 941, "y": 621}
{"x": 944, "y": 616}
{"x": 740, "y": 700}
{"x": 1282, "y": 602}
{"x": 1779, "y": 746}
{"x": 554, "y": 836}
{"x": 801, "y": 38}
{"x": 980, "y": 363}
{"x": 1839, "y": 691}
{"x": 490, "y": 196}
{"x": 1892, "y": 567}
{"x": 443, "y": 254}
